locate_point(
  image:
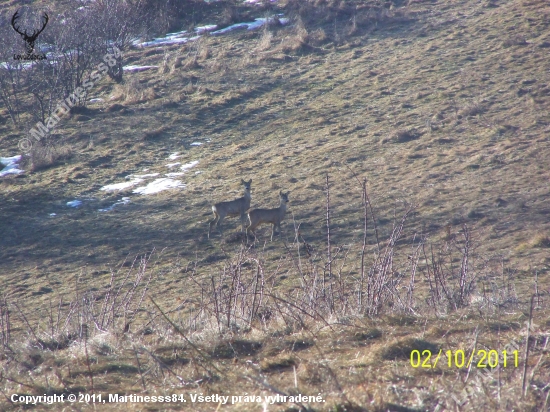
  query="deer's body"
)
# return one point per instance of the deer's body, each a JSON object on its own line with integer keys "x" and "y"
{"x": 271, "y": 216}
{"x": 232, "y": 208}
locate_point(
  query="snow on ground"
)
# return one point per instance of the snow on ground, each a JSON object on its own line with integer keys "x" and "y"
{"x": 11, "y": 166}
{"x": 131, "y": 68}
{"x": 123, "y": 201}
{"x": 174, "y": 156}
{"x": 196, "y": 143}
{"x": 189, "y": 165}
{"x": 97, "y": 100}
{"x": 171, "y": 165}
{"x": 143, "y": 176}
{"x": 121, "y": 186}
{"x": 184, "y": 36}
{"x": 158, "y": 185}
{"x": 203, "y": 29}
{"x": 256, "y": 24}
{"x": 74, "y": 203}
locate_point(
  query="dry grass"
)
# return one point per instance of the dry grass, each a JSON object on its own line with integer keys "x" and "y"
{"x": 43, "y": 156}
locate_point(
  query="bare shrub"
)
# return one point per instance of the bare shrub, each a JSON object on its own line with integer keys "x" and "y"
{"x": 450, "y": 283}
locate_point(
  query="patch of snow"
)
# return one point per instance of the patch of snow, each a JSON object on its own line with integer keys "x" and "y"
{"x": 159, "y": 185}
{"x": 174, "y": 174}
{"x": 131, "y": 68}
{"x": 97, "y": 100}
{"x": 123, "y": 201}
{"x": 171, "y": 165}
{"x": 189, "y": 165}
{"x": 256, "y": 24}
{"x": 173, "y": 38}
{"x": 53, "y": 214}
{"x": 74, "y": 203}
{"x": 196, "y": 143}
{"x": 142, "y": 176}
{"x": 121, "y": 186}
{"x": 175, "y": 35}
{"x": 11, "y": 166}
{"x": 198, "y": 172}
{"x": 24, "y": 65}
{"x": 206, "y": 28}
{"x": 174, "y": 156}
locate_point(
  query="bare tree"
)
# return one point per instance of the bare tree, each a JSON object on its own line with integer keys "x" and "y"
{"x": 116, "y": 23}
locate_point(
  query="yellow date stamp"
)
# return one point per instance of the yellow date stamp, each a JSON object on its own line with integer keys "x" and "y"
{"x": 462, "y": 359}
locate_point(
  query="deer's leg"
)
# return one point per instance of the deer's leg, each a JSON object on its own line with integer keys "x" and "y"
{"x": 243, "y": 222}
{"x": 219, "y": 224}
{"x": 211, "y": 223}
{"x": 251, "y": 229}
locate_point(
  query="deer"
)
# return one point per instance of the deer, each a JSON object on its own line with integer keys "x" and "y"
{"x": 273, "y": 216}
{"x": 29, "y": 38}
{"x": 232, "y": 208}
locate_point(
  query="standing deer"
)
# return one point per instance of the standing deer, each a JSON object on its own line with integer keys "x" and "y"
{"x": 237, "y": 207}
{"x": 273, "y": 216}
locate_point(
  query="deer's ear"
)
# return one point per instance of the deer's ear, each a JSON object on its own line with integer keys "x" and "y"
{"x": 280, "y": 192}
{"x": 250, "y": 181}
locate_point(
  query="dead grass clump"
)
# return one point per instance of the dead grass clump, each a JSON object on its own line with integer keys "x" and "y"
{"x": 402, "y": 349}
{"x": 311, "y": 373}
{"x": 277, "y": 364}
{"x": 516, "y": 40}
{"x": 191, "y": 63}
{"x": 368, "y": 335}
{"x": 44, "y": 156}
{"x": 299, "y": 344}
{"x": 204, "y": 53}
{"x": 230, "y": 15}
{"x": 165, "y": 68}
{"x": 402, "y": 136}
{"x": 318, "y": 37}
{"x": 190, "y": 88}
{"x": 296, "y": 40}
{"x": 177, "y": 62}
{"x": 265, "y": 41}
{"x": 400, "y": 320}
{"x": 133, "y": 91}
{"x": 540, "y": 240}
{"x": 471, "y": 110}
{"x": 236, "y": 348}
{"x": 115, "y": 108}
{"x": 154, "y": 133}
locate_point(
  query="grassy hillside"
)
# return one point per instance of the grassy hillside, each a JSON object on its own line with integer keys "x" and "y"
{"x": 443, "y": 106}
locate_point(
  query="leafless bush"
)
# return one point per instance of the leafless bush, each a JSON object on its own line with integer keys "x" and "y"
{"x": 89, "y": 313}
{"x": 451, "y": 272}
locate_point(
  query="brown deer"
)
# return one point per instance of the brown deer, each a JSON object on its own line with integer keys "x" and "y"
{"x": 272, "y": 216}
{"x": 232, "y": 208}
